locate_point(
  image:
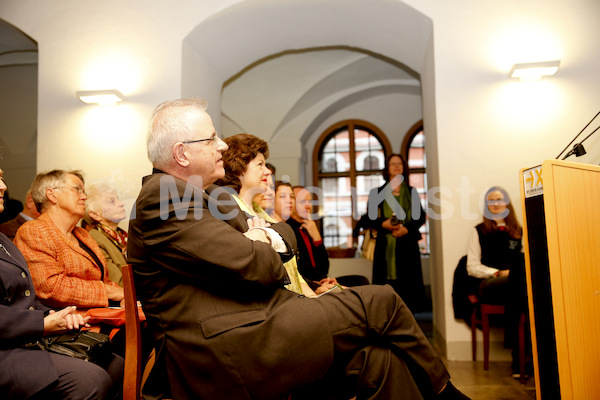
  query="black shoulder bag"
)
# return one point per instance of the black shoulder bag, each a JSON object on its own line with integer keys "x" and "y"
{"x": 86, "y": 345}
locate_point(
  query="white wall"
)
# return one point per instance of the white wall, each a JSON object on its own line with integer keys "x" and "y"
{"x": 486, "y": 126}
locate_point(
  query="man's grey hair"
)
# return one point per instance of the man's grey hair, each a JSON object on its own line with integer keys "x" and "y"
{"x": 169, "y": 124}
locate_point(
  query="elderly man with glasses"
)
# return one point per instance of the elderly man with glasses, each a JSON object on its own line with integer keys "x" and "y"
{"x": 212, "y": 284}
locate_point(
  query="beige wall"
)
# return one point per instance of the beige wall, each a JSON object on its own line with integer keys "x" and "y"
{"x": 18, "y": 127}
{"x": 485, "y": 126}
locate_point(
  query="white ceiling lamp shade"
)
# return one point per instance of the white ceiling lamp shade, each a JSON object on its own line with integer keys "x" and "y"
{"x": 534, "y": 71}
{"x": 100, "y": 97}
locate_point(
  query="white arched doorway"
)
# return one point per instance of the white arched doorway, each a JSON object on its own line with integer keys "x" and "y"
{"x": 255, "y": 32}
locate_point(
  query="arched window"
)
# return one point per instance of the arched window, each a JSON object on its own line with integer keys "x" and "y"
{"x": 371, "y": 163}
{"x": 413, "y": 149}
{"x": 348, "y": 159}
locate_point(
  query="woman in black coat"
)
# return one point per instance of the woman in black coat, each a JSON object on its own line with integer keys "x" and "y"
{"x": 395, "y": 212}
{"x": 38, "y": 374}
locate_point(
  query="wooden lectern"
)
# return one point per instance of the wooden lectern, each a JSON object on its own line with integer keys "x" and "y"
{"x": 561, "y": 236}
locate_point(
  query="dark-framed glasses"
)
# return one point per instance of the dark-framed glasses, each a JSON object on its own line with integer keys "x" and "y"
{"x": 214, "y": 138}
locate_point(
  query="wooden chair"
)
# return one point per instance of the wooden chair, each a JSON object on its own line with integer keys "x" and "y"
{"x": 133, "y": 339}
{"x": 485, "y": 310}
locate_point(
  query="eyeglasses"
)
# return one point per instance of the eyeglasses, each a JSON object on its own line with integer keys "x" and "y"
{"x": 214, "y": 138}
{"x": 79, "y": 190}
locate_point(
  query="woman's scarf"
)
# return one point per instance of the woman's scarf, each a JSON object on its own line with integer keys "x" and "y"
{"x": 404, "y": 200}
{"x": 118, "y": 238}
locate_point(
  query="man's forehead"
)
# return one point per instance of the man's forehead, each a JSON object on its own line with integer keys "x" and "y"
{"x": 200, "y": 116}
{"x": 303, "y": 194}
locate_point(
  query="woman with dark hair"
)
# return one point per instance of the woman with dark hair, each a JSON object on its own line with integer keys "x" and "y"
{"x": 283, "y": 203}
{"x": 495, "y": 246}
{"x": 495, "y": 256}
{"x": 247, "y": 174}
{"x": 395, "y": 211}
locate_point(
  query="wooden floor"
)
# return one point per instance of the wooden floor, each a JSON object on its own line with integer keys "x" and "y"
{"x": 495, "y": 384}
{"x": 469, "y": 377}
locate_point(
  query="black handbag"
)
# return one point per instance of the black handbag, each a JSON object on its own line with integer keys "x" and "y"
{"x": 90, "y": 346}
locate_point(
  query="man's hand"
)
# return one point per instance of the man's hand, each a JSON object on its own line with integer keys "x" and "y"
{"x": 328, "y": 281}
{"x": 324, "y": 287}
{"x": 258, "y": 235}
{"x": 311, "y": 227}
{"x": 257, "y": 222}
{"x": 65, "y": 319}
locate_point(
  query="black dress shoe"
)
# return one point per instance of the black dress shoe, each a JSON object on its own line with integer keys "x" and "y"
{"x": 451, "y": 393}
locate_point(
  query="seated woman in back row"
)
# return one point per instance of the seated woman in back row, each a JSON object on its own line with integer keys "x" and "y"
{"x": 66, "y": 264}
{"x": 37, "y": 374}
{"x": 495, "y": 256}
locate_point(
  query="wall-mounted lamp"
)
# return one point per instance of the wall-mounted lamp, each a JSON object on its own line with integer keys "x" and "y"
{"x": 100, "y": 97}
{"x": 534, "y": 71}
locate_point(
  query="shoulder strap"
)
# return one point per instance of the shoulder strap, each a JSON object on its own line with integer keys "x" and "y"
{"x": 3, "y": 294}
{"x": 94, "y": 256}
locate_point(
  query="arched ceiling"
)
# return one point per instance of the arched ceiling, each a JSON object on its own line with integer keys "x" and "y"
{"x": 268, "y": 95}
{"x": 16, "y": 48}
{"x": 301, "y": 59}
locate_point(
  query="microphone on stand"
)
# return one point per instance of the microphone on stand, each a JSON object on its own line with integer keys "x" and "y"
{"x": 578, "y": 148}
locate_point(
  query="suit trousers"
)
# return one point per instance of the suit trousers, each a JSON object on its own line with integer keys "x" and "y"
{"x": 380, "y": 350}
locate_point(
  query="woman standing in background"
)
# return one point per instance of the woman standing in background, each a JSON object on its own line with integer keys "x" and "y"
{"x": 397, "y": 259}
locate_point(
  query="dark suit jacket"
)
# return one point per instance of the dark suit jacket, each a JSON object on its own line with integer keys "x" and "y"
{"x": 225, "y": 327}
{"x": 9, "y": 228}
{"x": 24, "y": 372}
{"x": 305, "y": 267}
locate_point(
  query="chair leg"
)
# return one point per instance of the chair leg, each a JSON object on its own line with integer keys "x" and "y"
{"x": 147, "y": 367}
{"x": 474, "y": 334}
{"x": 522, "y": 347}
{"x": 485, "y": 328}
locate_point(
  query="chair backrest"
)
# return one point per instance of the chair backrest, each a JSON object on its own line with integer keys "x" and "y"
{"x": 463, "y": 286}
{"x": 133, "y": 339}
